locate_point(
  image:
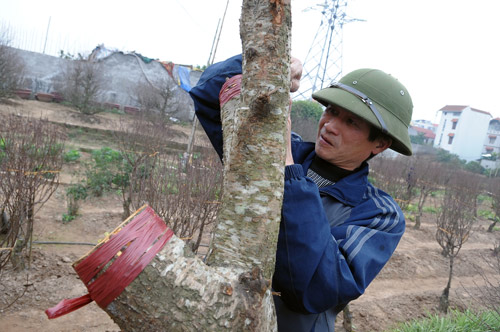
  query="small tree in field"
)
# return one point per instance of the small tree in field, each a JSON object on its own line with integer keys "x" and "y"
{"x": 396, "y": 177}
{"x": 82, "y": 83}
{"x": 454, "y": 222}
{"x": 156, "y": 99}
{"x": 493, "y": 187}
{"x": 486, "y": 289}
{"x": 11, "y": 67}
{"x": 30, "y": 162}
{"x": 429, "y": 176}
{"x": 186, "y": 196}
{"x": 140, "y": 143}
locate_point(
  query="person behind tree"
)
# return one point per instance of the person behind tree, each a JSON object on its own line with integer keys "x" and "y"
{"x": 337, "y": 230}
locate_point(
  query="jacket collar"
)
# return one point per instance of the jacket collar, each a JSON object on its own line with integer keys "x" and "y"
{"x": 349, "y": 190}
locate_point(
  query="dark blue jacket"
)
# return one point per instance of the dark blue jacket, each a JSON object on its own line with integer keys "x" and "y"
{"x": 332, "y": 241}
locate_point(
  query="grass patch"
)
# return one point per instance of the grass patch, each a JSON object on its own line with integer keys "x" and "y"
{"x": 486, "y": 214}
{"x": 481, "y": 198}
{"x": 411, "y": 208}
{"x": 455, "y": 321}
{"x": 430, "y": 209}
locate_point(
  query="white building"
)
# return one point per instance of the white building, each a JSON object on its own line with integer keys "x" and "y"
{"x": 491, "y": 148}
{"x": 461, "y": 131}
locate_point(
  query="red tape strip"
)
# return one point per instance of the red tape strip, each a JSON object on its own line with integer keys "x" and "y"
{"x": 139, "y": 241}
{"x": 230, "y": 89}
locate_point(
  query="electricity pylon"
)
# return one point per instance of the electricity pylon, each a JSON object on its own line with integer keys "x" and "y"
{"x": 323, "y": 63}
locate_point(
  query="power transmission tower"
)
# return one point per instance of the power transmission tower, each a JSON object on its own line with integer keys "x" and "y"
{"x": 323, "y": 63}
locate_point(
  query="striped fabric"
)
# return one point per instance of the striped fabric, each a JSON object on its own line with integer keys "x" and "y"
{"x": 318, "y": 179}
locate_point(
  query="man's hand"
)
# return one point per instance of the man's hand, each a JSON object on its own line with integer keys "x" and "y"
{"x": 295, "y": 74}
{"x": 289, "y": 157}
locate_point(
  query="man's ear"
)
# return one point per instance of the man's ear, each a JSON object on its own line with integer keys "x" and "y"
{"x": 382, "y": 144}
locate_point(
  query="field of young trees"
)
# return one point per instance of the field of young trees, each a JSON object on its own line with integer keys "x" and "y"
{"x": 104, "y": 174}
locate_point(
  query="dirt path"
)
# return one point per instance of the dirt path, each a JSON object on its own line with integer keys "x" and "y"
{"x": 408, "y": 287}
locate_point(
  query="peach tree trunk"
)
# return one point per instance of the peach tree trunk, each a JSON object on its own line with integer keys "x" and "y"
{"x": 177, "y": 291}
{"x": 254, "y": 130}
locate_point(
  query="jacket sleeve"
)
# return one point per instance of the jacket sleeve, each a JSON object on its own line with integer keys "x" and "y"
{"x": 319, "y": 267}
{"x": 205, "y": 96}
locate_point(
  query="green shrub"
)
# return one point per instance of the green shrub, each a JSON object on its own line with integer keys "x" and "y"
{"x": 71, "y": 156}
{"x": 74, "y": 194}
{"x": 105, "y": 171}
{"x": 77, "y": 191}
{"x": 306, "y": 109}
{"x": 68, "y": 217}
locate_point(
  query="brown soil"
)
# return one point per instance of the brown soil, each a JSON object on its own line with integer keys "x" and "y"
{"x": 408, "y": 287}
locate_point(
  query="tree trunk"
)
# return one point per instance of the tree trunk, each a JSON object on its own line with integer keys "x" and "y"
{"x": 347, "y": 324}
{"x": 492, "y": 225}
{"x": 444, "y": 301}
{"x": 254, "y": 143}
{"x": 421, "y": 201}
{"x": 177, "y": 291}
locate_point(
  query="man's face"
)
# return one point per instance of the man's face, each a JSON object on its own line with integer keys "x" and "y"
{"x": 343, "y": 139}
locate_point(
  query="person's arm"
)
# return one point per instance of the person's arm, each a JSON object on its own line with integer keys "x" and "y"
{"x": 318, "y": 267}
{"x": 205, "y": 96}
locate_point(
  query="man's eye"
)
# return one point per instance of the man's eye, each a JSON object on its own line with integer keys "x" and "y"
{"x": 352, "y": 122}
{"x": 331, "y": 110}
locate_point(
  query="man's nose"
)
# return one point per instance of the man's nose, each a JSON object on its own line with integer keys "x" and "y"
{"x": 332, "y": 125}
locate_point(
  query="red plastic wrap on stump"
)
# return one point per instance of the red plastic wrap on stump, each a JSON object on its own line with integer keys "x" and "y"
{"x": 124, "y": 254}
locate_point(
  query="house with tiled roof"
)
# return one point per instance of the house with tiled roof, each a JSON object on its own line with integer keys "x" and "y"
{"x": 491, "y": 147}
{"x": 461, "y": 131}
{"x": 427, "y": 134}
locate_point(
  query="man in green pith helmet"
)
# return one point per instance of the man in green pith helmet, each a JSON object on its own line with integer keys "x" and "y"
{"x": 337, "y": 230}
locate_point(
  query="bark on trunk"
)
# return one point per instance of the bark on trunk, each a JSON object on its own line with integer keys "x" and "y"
{"x": 177, "y": 291}
{"x": 254, "y": 146}
{"x": 444, "y": 300}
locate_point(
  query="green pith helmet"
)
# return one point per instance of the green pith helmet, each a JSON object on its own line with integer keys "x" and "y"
{"x": 376, "y": 97}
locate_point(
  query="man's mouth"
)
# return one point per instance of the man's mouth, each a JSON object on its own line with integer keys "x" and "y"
{"x": 325, "y": 140}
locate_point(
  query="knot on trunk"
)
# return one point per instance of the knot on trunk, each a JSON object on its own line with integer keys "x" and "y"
{"x": 254, "y": 281}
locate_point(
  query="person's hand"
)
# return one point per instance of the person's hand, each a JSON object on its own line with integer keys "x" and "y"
{"x": 295, "y": 74}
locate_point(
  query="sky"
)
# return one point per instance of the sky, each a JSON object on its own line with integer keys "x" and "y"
{"x": 443, "y": 51}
